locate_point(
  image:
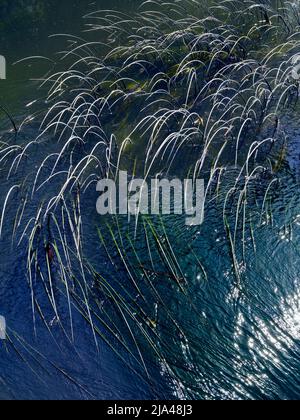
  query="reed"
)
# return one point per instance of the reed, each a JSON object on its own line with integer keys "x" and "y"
{"x": 166, "y": 85}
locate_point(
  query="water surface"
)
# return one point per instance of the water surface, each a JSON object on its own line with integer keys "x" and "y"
{"x": 245, "y": 347}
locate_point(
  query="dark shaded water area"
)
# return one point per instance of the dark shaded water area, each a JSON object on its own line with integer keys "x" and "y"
{"x": 236, "y": 346}
{"x": 26, "y": 30}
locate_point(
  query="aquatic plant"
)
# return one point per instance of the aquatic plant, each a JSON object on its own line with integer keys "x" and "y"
{"x": 172, "y": 90}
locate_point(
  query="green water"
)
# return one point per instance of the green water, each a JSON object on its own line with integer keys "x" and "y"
{"x": 27, "y": 32}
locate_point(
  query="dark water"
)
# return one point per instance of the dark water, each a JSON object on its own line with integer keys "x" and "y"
{"x": 26, "y": 33}
{"x": 243, "y": 348}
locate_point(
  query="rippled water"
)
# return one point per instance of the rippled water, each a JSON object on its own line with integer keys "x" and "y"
{"x": 238, "y": 345}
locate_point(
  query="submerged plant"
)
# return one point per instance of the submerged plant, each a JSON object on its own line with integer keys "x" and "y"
{"x": 177, "y": 91}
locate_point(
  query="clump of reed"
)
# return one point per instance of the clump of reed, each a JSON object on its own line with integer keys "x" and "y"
{"x": 181, "y": 90}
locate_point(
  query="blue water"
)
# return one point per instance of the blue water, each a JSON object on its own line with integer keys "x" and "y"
{"x": 238, "y": 342}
